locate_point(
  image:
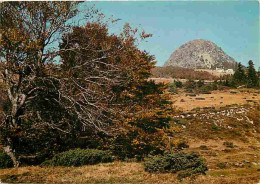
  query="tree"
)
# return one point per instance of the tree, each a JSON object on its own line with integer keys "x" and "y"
{"x": 252, "y": 79}
{"x": 107, "y": 89}
{"x": 239, "y": 77}
{"x": 99, "y": 85}
{"x": 28, "y": 30}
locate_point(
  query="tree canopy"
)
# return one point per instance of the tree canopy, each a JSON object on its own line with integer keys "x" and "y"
{"x": 252, "y": 78}
{"x": 98, "y": 89}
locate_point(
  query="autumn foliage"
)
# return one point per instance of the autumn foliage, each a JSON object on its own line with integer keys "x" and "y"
{"x": 133, "y": 112}
{"x": 90, "y": 91}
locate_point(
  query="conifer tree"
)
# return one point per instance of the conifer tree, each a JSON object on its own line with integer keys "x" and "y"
{"x": 252, "y": 79}
{"x": 239, "y": 77}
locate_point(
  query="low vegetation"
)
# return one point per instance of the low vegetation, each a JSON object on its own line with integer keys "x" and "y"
{"x": 80, "y": 157}
{"x": 185, "y": 164}
{"x": 5, "y": 161}
{"x": 181, "y": 73}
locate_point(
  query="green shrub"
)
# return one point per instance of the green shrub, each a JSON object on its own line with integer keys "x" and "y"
{"x": 206, "y": 89}
{"x": 182, "y": 145}
{"x": 200, "y": 83}
{"x": 172, "y": 88}
{"x": 227, "y": 150}
{"x": 246, "y": 125}
{"x": 178, "y": 84}
{"x": 214, "y": 127}
{"x": 5, "y": 161}
{"x": 229, "y": 144}
{"x": 79, "y": 157}
{"x": 180, "y": 122}
{"x": 222, "y": 165}
{"x": 186, "y": 164}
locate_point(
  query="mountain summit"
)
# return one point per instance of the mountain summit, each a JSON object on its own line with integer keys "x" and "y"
{"x": 200, "y": 54}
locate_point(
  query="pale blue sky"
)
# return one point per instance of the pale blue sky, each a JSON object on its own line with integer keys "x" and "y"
{"x": 232, "y": 25}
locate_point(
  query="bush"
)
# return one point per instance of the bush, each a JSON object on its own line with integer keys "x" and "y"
{"x": 190, "y": 86}
{"x": 222, "y": 165}
{"x": 190, "y": 164}
{"x": 229, "y": 144}
{"x": 227, "y": 150}
{"x": 5, "y": 161}
{"x": 79, "y": 157}
{"x": 172, "y": 88}
{"x": 200, "y": 83}
{"x": 214, "y": 127}
{"x": 178, "y": 84}
{"x": 206, "y": 89}
{"x": 182, "y": 145}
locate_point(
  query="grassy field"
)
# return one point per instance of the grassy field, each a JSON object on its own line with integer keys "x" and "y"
{"x": 216, "y": 99}
{"x": 227, "y": 136}
{"x": 122, "y": 172}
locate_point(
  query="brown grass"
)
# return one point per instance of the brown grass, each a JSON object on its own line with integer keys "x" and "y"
{"x": 217, "y": 99}
{"x": 196, "y": 133}
{"x": 120, "y": 172}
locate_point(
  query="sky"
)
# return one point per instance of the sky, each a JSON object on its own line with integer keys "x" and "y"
{"x": 232, "y": 25}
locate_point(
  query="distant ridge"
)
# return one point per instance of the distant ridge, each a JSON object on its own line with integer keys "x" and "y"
{"x": 200, "y": 54}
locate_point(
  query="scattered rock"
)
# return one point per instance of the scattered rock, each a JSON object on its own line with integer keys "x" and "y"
{"x": 246, "y": 161}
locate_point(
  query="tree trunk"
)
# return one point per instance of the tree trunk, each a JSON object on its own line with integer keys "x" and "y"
{"x": 11, "y": 152}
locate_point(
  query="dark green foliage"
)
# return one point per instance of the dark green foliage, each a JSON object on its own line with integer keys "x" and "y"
{"x": 252, "y": 79}
{"x": 79, "y": 157}
{"x": 214, "y": 127}
{"x": 222, "y": 165}
{"x": 200, "y": 83}
{"x": 190, "y": 86}
{"x": 227, "y": 150}
{"x": 229, "y": 144}
{"x": 5, "y": 161}
{"x": 180, "y": 122}
{"x": 189, "y": 164}
{"x": 202, "y": 87}
{"x": 239, "y": 77}
{"x": 182, "y": 145}
{"x": 178, "y": 84}
{"x": 42, "y": 142}
{"x": 172, "y": 88}
{"x": 206, "y": 89}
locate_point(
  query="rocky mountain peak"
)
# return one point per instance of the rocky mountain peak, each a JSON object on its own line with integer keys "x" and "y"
{"x": 200, "y": 54}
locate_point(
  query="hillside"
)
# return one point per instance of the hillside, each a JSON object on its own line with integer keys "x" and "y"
{"x": 181, "y": 73}
{"x": 200, "y": 54}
